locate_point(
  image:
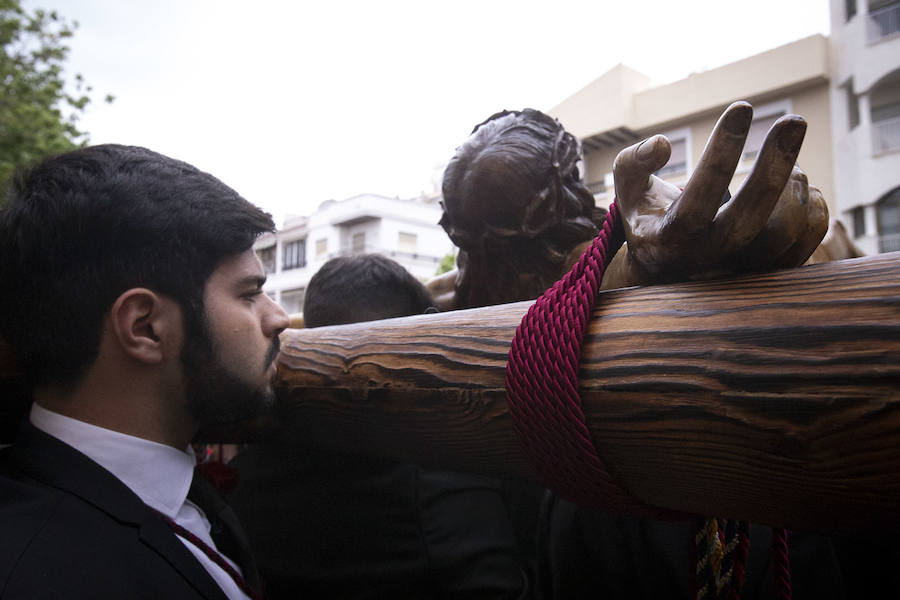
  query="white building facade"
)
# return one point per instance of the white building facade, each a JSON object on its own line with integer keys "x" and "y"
{"x": 404, "y": 230}
{"x": 865, "y": 103}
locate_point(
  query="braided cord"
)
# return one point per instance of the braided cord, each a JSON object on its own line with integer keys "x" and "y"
{"x": 782, "y": 564}
{"x": 542, "y": 384}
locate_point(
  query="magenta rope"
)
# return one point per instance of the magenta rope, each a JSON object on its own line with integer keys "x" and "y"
{"x": 782, "y": 564}
{"x": 542, "y": 384}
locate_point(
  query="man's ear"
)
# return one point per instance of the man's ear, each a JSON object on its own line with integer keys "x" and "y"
{"x": 145, "y": 324}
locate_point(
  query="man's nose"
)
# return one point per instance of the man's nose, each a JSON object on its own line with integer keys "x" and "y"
{"x": 276, "y": 319}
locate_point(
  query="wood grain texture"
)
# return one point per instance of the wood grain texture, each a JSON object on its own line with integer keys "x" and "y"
{"x": 773, "y": 398}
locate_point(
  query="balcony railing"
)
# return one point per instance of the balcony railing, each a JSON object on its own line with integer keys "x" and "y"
{"x": 597, "y": 187}
{"x": 672, "y": 169}
{"x": 886, "y": 135}
{"x": 399, "y": 255}
{"x": 884, "y": 22}
{"x": 889, "y": 243}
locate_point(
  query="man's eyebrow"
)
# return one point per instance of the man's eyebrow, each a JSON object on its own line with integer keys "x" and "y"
{"x": 252, "y": 280}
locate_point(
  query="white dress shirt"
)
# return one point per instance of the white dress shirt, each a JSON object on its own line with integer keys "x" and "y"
{"x": 160, "y": 476}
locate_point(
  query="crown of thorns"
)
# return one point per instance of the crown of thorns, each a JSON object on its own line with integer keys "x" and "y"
{"x": 515, "y": 177}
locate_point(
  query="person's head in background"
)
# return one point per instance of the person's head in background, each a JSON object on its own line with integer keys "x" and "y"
{"x": 367, "y": 287}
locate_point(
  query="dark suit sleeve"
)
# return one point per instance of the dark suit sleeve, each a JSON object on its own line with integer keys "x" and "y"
{"x": 469, "y": 537}
{"x": 69, "y": 529}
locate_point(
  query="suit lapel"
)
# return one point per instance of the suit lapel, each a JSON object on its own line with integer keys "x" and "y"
{"x": 59, "y": 465}
{"x": 156, "y": 534}
{"x": 225, "y": 528}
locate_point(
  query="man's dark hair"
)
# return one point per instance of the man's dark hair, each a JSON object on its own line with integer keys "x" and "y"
{"x": 81, "y": 228}
{"x": 367, "y": 287}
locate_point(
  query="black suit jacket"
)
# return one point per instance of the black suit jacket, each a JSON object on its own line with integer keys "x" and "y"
{"x": 329, "y": 526}
{"x": 70, "y": 529}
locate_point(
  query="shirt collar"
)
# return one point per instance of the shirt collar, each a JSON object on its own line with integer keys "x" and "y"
{"x": 160, "y": 475}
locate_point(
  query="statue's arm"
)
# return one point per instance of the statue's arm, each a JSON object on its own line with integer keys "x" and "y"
{"x": 443, "y": 290}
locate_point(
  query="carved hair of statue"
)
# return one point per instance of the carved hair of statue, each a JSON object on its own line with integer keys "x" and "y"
{"x": 515, "y": 205}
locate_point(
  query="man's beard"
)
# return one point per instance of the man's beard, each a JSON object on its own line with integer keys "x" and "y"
{"x": 215, "y": 395}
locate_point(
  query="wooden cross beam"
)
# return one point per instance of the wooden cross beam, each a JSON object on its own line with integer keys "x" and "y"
{"x": 773, "y": 398}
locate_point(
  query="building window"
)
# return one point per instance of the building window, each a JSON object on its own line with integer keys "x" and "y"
{"x": 292, "y": 300}
{"x": 406, "y": 242}
{"x": 321, "y": 247}
{"x": 859, "y": 221}
{"x": 293, "y": 255}
{"x": 267, "y": 258}
{"x": 678, "y": 160}
{"x": 888, "y": 214}
{"x": 763, "y": 118}
{"x": 889, "y": 111}
{"x": 852, "y": 106}
{"x": 884, "y": 19}
{"x": 885, "y": 101}
{"x": 886, "y": 136}
{"x": 757, "y": 135}
{"x": 358, "y": 243}
{"x": 849, "y": 9}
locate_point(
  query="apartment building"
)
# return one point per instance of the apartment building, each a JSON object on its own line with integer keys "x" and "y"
{"x": 865, "y": 116}
{"x": 847, "y": 87}
{"x": 405, "y": 230}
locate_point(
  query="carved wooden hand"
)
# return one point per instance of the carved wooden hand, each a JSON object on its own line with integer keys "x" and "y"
{"x": 775, "y": 220}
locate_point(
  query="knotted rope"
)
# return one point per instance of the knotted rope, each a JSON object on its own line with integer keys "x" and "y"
{"x": 542, "y": 383}
{"x": 544, "y": 401}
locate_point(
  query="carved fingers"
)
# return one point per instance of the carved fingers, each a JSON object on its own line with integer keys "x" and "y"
{"x": 644, "y": 199}
{"x": 745, "y": 215}
{"x": 812, "y": 234}
{"x": 699, "y": 203}
{"x": 775, "y": 220}
{"x": 795, "y": 228}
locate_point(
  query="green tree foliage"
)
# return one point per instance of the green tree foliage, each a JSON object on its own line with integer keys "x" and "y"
{"x": 38, "y": 115}
{"x": 448, "y": 263}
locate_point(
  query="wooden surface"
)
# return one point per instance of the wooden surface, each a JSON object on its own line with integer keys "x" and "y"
{"x": 773, "y": 398}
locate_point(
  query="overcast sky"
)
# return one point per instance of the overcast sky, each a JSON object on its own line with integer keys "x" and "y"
{"x": 294, "y": 103}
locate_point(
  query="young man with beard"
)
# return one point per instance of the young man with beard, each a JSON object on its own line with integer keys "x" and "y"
{"x": 133, "y": 300}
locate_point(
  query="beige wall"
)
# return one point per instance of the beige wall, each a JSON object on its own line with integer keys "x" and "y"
{"x": 599, "y": 163}
{"x": 776, "y": 72}
{"x": 812, "y": 103}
